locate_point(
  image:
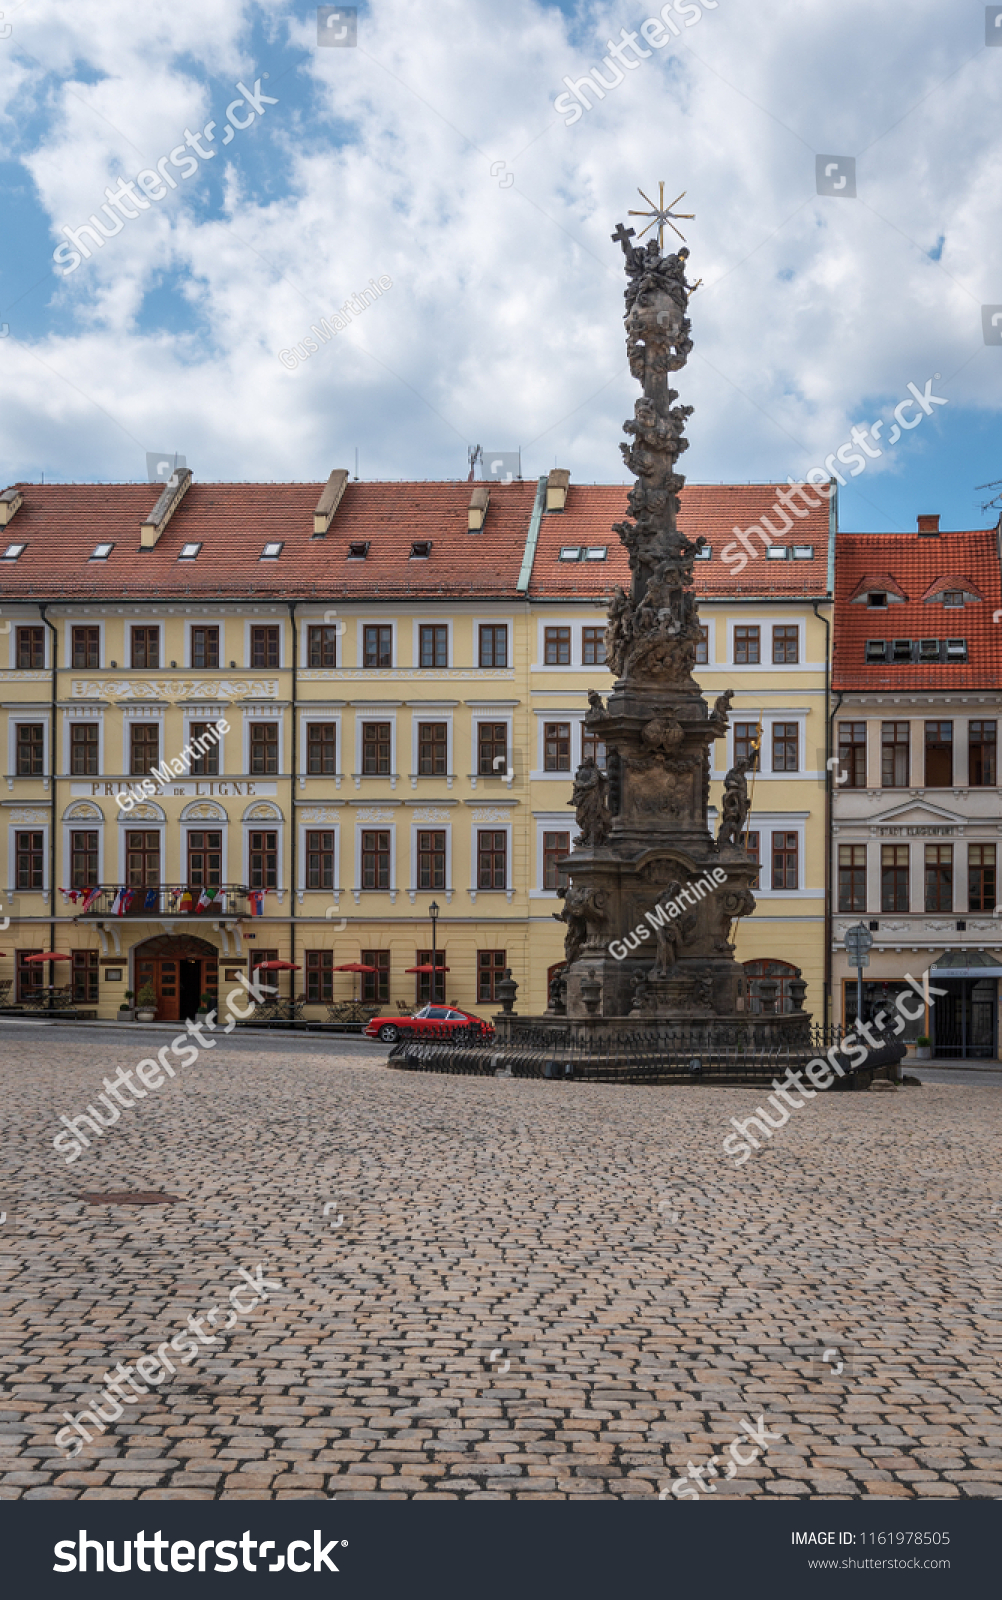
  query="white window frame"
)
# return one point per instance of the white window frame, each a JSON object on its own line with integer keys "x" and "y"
{"x": 141, "y": 622}
{"x": 476, "y": 827}
{"x": 72, "y": 825}
{"x": 369, "y": 827}
{"x": 140, "y": 713}
{"x": 84, "y": 622}
{"x": 76, "y": 714}
{"x": 375, "y": 714}
{"x": 251, "y": 825}
{"x": 430, "y": 827}
{"x": 14, "y": 720}
{"x": 549, "y": 822}
{"x": 264, "y": 622}
{"x": 191, "y": 714}
{"x": 273, "y": 712}
{"x": 765, "y": 824}
{"x": 203, "y": 825}
{"x": 28, "y": 622}
{"x": 431, "y": 713}
{"x": 338, "y": 623}
{"x": 769, "y": 718}
{"x": 552, "y": 714}
{"x": 432, "y": 622}
{"x": 14, "y": 828}
{"x": 575, "y": 625}
{"x": 492, "y": 622}
{"x": 127, "y": 822}
{"x": 710, "y": 624}
{"x": 321, "y": 712}
{"x": 318, "y": 827}
{"x": 380, "y": 622}
{"x": 483, "y": 712}
{"x": 207, "y": 622}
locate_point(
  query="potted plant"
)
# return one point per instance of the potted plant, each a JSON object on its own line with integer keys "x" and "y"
{"x": 206, "y": 1004}
{"x": 126, "y": 1012}
{"x": 923, "y": 1047}
{"x": 146, "y": 1004}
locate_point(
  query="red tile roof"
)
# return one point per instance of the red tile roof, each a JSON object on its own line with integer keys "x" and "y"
{"x": 710, "y": 509}
{"x": 62, "y": 523}
{"x": 916, "y": 563}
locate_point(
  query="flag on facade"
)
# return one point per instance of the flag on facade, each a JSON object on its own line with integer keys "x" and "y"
{"x": 186, "y": 900}
{"x": 72, "y": 894}
{"x": 206, "y": 898}
{"x": 123, "y": 901}
{"x": 152, "y": 900}
{"x": 256, "y": 899}
{"x": 90, "y": 896}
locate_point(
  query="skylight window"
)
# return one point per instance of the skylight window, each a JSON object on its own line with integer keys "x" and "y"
{"x": 902, "y": 650}
{"x": 876, "y": 649}
{"x": 803, "y": 552}
{"x": 190, "y": 551}
{"x": 928, "y": 649}
{"x": 596, "y": 552}
{"x": 101, "y": 552}
{"x": 13, "y": 551}
{"x": 776, "y": 552}
{"x": 358, "y": 549}
{"x": 272, "y": 550}
{"x": 876, "y": 597}
{"x": 956, "y": 649}
{"x": 703, "y": 553}
{"x": 570, "y": 552}
{"x": 420, "y": 549}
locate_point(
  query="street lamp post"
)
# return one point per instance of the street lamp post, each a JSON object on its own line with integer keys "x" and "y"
{"x": 433, "y": 914}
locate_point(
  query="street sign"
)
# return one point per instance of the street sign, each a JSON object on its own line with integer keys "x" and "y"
{"x": 859, "y": 958}
{"x": 858, "y": 940}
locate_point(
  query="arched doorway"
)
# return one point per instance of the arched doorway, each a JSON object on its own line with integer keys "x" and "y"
{"x": 181, "y": 968}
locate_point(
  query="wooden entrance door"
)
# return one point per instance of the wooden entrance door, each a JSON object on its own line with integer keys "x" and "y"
{"x": 163, "y": 975}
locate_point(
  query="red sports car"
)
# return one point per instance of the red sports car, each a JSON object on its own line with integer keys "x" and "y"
{"x": 440, "y": 1020}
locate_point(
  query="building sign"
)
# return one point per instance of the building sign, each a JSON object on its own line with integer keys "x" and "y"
{"x": 221, "y": 787}
{"x": 920, "y": 831}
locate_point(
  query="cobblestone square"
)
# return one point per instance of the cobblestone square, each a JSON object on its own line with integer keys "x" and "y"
{"x": 494, "y": 1289}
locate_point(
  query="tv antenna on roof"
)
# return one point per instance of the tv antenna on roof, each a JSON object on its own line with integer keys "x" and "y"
{"x": 996, "y": 499}
{"x": 474, "y": 453}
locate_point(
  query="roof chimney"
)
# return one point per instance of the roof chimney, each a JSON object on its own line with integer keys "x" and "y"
{"x": 174, "y": 491}
{"x": 10, "y": 500}
{"x": 556, "y": 488}
{"x": 929, "y": 526}
{"x": 329, "y": 501}
{"x": 480, "y": 499}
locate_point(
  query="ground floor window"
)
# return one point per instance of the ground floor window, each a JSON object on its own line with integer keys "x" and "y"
{"x": 376, "y": 985}
{"x": 29, "y": 974}
{"x": 491, "y": 966}
{"x": 86, "y": 972}
{"x": 782, "y": 971}
{"x": 425, "y": 994}
{"x": 319, "y": 975}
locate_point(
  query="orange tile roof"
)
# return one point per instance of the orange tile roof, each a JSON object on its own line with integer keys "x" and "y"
{"x": 916, "y": 563}
{"x": 62, "y": 523}
{"x": 710, "y": 509}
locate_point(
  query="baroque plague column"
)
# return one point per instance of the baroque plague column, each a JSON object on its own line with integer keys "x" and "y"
{"x": 646, "y": 877}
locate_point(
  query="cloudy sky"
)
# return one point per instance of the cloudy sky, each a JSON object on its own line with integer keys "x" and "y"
{"x": 430, "y": 152}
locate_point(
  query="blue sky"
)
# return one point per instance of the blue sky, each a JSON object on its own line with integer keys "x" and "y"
{"x": 431, "y": 153}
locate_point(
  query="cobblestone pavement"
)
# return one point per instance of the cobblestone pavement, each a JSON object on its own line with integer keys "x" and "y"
{"x": 536, "y": 1290}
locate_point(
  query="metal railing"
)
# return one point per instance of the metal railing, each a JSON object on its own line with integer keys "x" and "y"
{"x": 163, "y": 900}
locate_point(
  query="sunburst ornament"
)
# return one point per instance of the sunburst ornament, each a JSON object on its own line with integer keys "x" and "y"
{"x": 661, "y": 215}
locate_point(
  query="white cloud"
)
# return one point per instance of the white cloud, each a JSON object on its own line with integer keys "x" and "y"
{"x": 504, "y": 323}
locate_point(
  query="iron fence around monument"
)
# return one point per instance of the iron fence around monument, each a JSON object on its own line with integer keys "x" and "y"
{"x": 663, "y": 1054}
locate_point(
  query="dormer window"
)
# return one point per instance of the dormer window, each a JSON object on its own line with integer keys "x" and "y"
{"x": 902, "y": 650}
{"x": 101, "y": 552}
{"x": 803, "y": 552}
{"x": 956, "y": 649}
{"x": 420, "y": 550}
{"x": 703, "y": 553}
{"x": 876, "y": 649}
{"x": 928, "y": 649}
{"x": 358, "y": 549}
{"x": 876, "y": 597}
{"x": 13, "y": 551}
{"x": 776, "y": 552}
{"x": 190, "y": 551}
{"x": 953, "y": 597}
{"x": 570, "y": 552}
{"x": 272, "y": 550}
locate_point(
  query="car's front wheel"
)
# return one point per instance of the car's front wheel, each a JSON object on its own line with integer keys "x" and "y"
{"x": 389, "y": 1033}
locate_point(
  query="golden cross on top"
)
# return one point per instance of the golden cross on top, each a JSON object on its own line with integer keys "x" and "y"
{"x": 661, "y": 214}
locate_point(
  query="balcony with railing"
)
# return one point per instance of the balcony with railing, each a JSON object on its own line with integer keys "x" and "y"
{"x": 154, "y": 902}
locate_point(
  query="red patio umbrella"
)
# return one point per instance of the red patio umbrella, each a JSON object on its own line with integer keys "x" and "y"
{"x": 355, "y": 966}
{"x": 50, "y": 955}
{"x": 427, "y": 968}
{"x": 277, "y": 966}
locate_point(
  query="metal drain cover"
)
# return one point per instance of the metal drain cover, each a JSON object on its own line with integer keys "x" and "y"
{"x": 131, "y": 1197}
